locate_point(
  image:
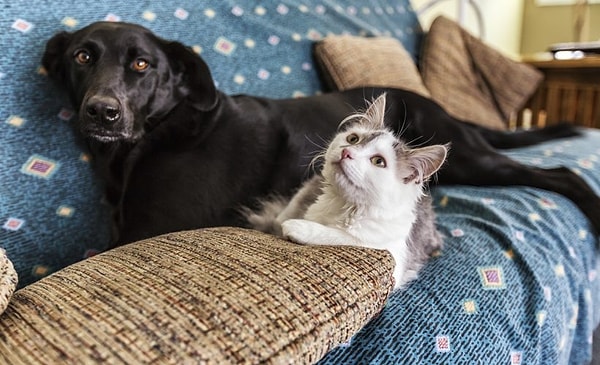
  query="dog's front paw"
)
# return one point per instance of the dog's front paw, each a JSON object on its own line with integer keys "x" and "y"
{"x": 298, "y": 230}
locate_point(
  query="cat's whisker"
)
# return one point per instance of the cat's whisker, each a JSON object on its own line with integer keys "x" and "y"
{"x": 315, "y": 160}
{"x": 404, "y": 124}
{"x": 325, "y": 142}
{"x": 413, "y": 143}
{"x": 322, "y": 146}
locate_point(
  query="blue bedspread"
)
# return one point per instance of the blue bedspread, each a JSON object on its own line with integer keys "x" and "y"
{"x": 517, "y": 281}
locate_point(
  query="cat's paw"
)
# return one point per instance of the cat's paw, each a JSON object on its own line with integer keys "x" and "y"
{"x": 298, "y": 230}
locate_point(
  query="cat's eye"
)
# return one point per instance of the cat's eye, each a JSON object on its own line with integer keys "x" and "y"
{"x": 352, "y": 138}
{"x": 378, "y": 161}
{"x": 140, "y": 65}
{"x": 82, "y": 57}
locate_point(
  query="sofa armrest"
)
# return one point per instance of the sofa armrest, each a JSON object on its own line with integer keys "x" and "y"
{"x": 224, "y": 295}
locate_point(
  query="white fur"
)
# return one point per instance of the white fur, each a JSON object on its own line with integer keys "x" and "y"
{"x": 364, "y": 205}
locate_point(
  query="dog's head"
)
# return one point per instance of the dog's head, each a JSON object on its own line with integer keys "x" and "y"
{"x": 123, "y": 79}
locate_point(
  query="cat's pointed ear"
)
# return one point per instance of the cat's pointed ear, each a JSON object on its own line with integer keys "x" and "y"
{"x": 375, "y": 113}
{"x": 425, "y": 161}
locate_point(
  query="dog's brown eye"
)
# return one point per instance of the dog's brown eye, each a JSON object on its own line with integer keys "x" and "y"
{"x": 378, "y": 161}
{"x": 140, "y": 64}
{"x": 352, "y": 138}
{"x": 83, "y": 57}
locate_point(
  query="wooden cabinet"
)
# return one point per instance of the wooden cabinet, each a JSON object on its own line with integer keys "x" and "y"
{"x": 570, "y": 92}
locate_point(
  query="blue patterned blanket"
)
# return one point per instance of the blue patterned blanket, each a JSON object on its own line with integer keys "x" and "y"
{"x": 516, "y": 284}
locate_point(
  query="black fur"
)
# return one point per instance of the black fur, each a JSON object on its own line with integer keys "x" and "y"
{"x": 177, "y": 154}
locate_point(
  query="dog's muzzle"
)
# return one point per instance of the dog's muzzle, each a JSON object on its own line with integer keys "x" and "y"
{"x": 103, "y": 110}
{"x": 104, "y": 118}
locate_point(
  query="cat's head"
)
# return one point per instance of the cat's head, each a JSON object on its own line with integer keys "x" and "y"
{"x": 367, "y": 162}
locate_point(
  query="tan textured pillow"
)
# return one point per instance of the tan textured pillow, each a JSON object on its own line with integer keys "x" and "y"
{"x": 219, "y": 296}
{"x": 350, "y": 61}
{"x": 8, "y": 280}
{"x": 471, "y": 80}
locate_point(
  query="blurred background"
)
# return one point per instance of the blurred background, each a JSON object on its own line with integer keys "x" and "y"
{"x": 519, "y": 27}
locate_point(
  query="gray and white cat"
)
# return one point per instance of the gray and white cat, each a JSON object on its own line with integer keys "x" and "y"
{"x": 370, "y": 193}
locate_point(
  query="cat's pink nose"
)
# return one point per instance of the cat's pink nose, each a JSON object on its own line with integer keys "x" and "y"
{"x": 346, "y": 154}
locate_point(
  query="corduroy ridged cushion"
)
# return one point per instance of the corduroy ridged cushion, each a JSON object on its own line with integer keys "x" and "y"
{"x": 219, "y": 296}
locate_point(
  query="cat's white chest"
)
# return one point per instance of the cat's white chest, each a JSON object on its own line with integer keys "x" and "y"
{"x": 385, "y": 234}
{"x": 349, "y": 221}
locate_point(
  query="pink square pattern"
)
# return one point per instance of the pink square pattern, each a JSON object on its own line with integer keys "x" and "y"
{"x": 442, "y": 344}
{"x": 224, "y": 46}
{"x": 40, "y": 167}
{"x": 492, "y": 277}
{"x": 13, "y": 224}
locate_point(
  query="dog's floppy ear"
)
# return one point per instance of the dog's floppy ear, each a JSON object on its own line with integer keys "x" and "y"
{"x": 197, "y": 81}
{"x": 52, "y": 60}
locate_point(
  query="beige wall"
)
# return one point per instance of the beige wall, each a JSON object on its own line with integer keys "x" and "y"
{"x": 502, "y": 19}
{"x": 545, "y": 25}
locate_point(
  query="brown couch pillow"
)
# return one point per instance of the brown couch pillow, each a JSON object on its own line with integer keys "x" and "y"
{"x": 471, "y": 80}
{"x": 349, "y": 61}
{"x": 223, "y": 295}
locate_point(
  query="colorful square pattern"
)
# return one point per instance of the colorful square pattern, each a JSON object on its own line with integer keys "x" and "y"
{"x": 442, "y": 343}
{"x": 13, "y": 224}
{"x": 470, "y": 306}
{"x": 65, "y": 211}
{"x": 40, "y": 166}
{"x": 224, "y": 46}
{"x": 516, "y": 358}
{"x": 492, "y": 277}
{"x": 15, "y": 121}
{"x": 22, "y": 26}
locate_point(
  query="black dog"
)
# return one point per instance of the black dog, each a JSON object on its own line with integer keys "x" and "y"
{"x": 178, "y": 154}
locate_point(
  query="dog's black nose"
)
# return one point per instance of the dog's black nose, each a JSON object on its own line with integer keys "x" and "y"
{"x": 103, "y": 109}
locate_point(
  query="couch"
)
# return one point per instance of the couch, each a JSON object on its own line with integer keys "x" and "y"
{"x": 516, "y": 283}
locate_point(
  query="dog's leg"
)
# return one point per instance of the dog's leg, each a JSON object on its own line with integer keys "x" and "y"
{"x": 493, "y": 169}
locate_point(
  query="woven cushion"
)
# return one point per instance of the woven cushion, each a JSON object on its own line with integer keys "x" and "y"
{"x": 471, "y": 80}
{"x": 350, "y": 61}
{"x": 8, "y": 280}
{"x": 220, "y": 295}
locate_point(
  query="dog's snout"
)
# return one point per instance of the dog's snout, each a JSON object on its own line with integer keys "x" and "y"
{"x": 105, "y": 110}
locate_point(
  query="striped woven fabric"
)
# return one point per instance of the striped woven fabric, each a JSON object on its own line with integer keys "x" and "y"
{"x": 219, "y": 296}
